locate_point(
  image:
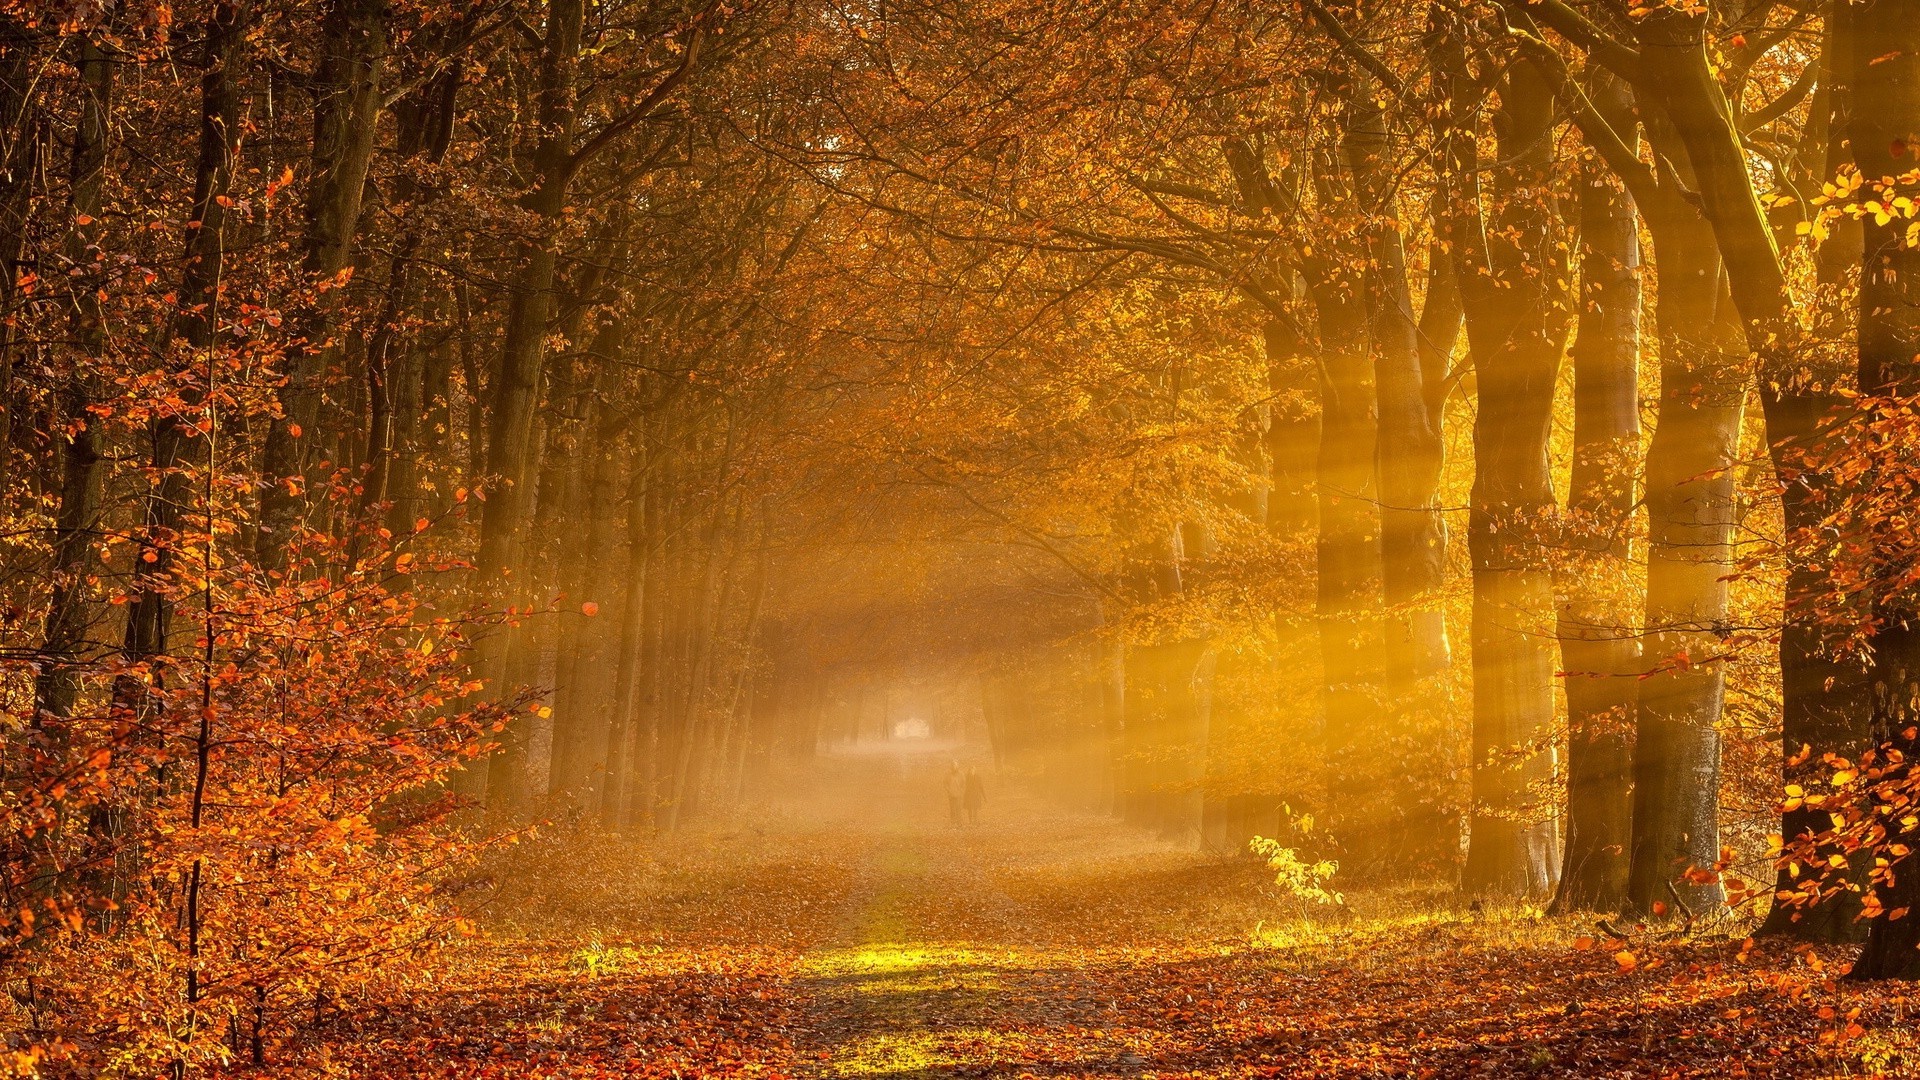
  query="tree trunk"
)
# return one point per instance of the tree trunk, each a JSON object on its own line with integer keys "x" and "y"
{"x": 346, "y": 112}
{"x": 1824, "y": 704}
{"x": 72, "y": 607}
{"x": 170, "y": 493}
{"x": 1409, "y": 451}
{"x": 513, "y": 767}
{"x": 616, "y": 780}
{"x": 396, "y": 390}
{"x": 584, "y": 691}
{"x": 1511, "y": 264}
{"x": 1410, "y": 368}
{"x": 1293, "y": 434}
{"x": 1350, "y": 591}
{"x": 22, "y": 56}
{"x": 135, "y": 703}
{"x": 515, "y": 390}
{"x": 1884, "y": 130}
{"x": 1690, "y": 519}
{"x": 1600, "y": 651}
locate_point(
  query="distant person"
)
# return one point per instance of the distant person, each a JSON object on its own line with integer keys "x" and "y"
{"x": 956, "y": 790}
{"x": 976, "y": 794}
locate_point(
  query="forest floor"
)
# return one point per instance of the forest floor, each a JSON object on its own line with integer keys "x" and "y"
{"x": 866, "y": 937}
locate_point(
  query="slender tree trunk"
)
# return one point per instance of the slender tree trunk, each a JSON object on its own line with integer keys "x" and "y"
{"x": 585, "y": 691}
{"x": 517, "y": 376}
{"x": 641, "y": 804}
{"x": 616, "y": 780}
{"x": 22, "y": 55}
{"x": 395, "y": 360}
{"x": 703, "y": 625}
{"x": 346, "y": 110}
{"x": 136, "y": 704}
{"x": 170, "y": 491}
{"x": 72, "y": 607}
{"x": 513, "y": 768}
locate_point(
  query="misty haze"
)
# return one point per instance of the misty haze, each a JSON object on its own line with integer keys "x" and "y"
{"x": 1131, "y": 539}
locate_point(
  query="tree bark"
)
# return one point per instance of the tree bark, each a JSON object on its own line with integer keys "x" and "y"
{"x": 1690, "y": 520}
{"x": 346, "y": 111}
{"x": 1511, "y": 264}
{"x": 396, "y": 376}
{"x": 72, "y": 607}
{"x": 1824, "y": 704}
{"x": 617, "y": 778}
{"x": 195, "y": 325}
{"x": 1599, "y": 648}
{"x": 1885, "y": 130}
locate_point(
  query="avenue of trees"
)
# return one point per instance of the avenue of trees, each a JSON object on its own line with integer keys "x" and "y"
{"x": 1466, "y": 440}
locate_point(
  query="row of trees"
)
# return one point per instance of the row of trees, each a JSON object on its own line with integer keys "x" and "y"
{"x": 365, "y": 360}
{"x": 425, "y": 420}
{"x": 1700, "y": 208}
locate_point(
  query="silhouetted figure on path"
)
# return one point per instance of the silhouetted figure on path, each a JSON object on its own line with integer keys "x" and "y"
{"x": 956, "y": 788}
{"x": 975, "y": 795}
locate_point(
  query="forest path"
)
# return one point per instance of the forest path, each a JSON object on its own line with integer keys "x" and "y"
{"x": 845, "y": 930}
{"x": 940, "y": 970}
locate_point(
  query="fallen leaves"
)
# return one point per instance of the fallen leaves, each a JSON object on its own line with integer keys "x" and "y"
{"x": 1057, "y": 945}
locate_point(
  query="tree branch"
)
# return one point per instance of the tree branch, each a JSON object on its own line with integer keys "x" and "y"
{"x": 1608, "y": 143}
{"x": 1618, "y": 57}
{"x": 1784, "y": 104}
{"x": 648, "y": 106}
{"x": 1354, "y": 49}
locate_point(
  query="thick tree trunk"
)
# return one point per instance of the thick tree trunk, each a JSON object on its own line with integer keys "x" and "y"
{"x": 1409, "y": 451}
{"x": 1293, "y": 435}
{"x": 1599, "y": 648}
{"x": 1676, "y": 73}
{"x": 1411, "y": 358}
{"x": 1511, "y": 262}
{"x": 1151, "y": 688}
{"x": 1677, "y": 76}
{"x": 522, "y": 355}
{"x": 1885, "y": 128}
{"x": 1824, "y": 702}
{"x": 514, "y": 394}
{"x": 1350, "y": 592}
{"x": 74, "y": 606}
{"x": 1690, "y": 520}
